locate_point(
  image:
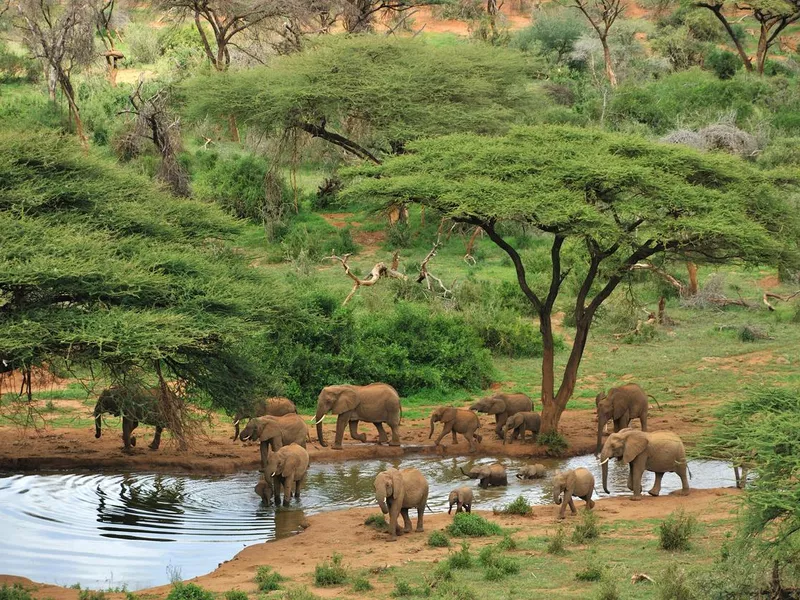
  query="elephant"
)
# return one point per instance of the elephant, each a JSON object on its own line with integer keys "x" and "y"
{"x": 462, "y": 498}
{"x": 275, "y": 432}
{"x": 287, "y": 468}
{"x": 264, "y": 489}
{"x": 536, "y": 471}
{"x": 577, "y": 482}
{"x": 376, "y": 403}
{"x": 518, "y": 423}
{"x": 134, "y": 405}
{"x": 621, "y": 404}
{"x": 659, "y": 451}
{"x": 276, "y": 407}
{"x": 457, "y": 420}
{"x": 396, "y": 491}
{"x": 489, "y": 475}
{"x": 502, "y": 406}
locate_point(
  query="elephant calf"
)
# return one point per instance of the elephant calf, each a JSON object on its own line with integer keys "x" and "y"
{"x": 537, "y": 471}
{"x": 275, "y": 407}
{"x": 462, "y": 498}
{"x": 457, "y": 420}
{"x": 489, "y": 475}
{"x": 397, "y": 491}
{"x": 287, "y": 468}
{"x": 521, "y": 422}
{"x": 502, "y": 406}
{"x": 621, "y": 405}
{"x": 578, "y": 482}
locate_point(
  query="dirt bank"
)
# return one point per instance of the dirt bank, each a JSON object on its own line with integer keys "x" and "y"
{"x": 364, "y": 548}
{"x": 214, "y": 452}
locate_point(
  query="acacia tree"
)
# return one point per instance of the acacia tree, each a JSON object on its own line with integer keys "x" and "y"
{"x": 773, "y": 17}
{"x": 358, "y": 16}
{"x": 602, "y": 14}
{"x": 605, "y": 201}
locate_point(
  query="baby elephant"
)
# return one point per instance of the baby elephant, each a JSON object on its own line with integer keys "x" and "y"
{"x": 462, "y": 498}
{"x": 288, "y": 467}
{"x": 457, "y": 420}
{"x": 494, "y": 475}
{"x": 536, "y": 471}
{"x": 396, "y": 491}
{"x": 578, "y": 482}
{"x": 521, "y": 422}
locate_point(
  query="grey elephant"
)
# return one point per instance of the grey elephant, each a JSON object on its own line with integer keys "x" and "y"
{"x": 502, "y": 406}
{"x": 461, "y": 497}
{"x": 489, "y": 475}
{"x": 456, "y": 420}
{"x": 274, "y": 433}
{"x": 659, "y": 451}
{"x": 376, "y": 403}
{"x": 276, "y": 407}
{"x": 287, "y": 468}
{"x": 621, "y": 404}
{"x": 577, "y": 482}
{"x": 135, "y": 405}
{"x": 520, "y": 423}
{"x": 396, "y": 491}
{"x": 537, "y": 471}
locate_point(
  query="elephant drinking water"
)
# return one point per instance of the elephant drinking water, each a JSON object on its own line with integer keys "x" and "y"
{"x": 275, "y": 407}
{"x": 275, "y": 432}
{"x": 376, "y": 403}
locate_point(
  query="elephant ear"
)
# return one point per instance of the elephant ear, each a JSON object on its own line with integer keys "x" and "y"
{"x": 267, "y": 429}
{"x": 398, "y": 489}
{"x": 345, "y": 402}
{"x": 635, "y": 443}
{"x": 497, "y": 406}
{"x": 448, "y": 413}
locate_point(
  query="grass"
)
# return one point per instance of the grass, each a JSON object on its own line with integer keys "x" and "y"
{"x": 361, "y": 584}
{"x": 472, "y": 525}
{"x": 557, "y": 544}
{"x": 14, "y": 592}
{"x": 460, "y": 559}
{"x": 189, "y": 591}
{"x": 268, "y": 580}
{"x": 377, "y": 522}
{"x": 587, "y": 530}
{"x": 438, "y": 539}
{"x": 592, "y": 572}
{"x": 676, "y": 531}
{"x": 330, "y": 573}
{"x": 236, "y": 595}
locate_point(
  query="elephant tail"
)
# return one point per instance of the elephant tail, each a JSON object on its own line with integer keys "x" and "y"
{"x": 401, "y": 413}
{"x": 429, "y": 508}
{"x": 654, "y": 400}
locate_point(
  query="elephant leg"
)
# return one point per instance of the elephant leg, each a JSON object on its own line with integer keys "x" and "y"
{"x": 288, "y": 484}
{"x": 643, "y": 422}
{"x": 473, "y": 446}
{"x": 630, "y": 477}
{"x": 127, "y": 428}
{"x": 656, "y": 489}
{"x": 406, "y": 520}
{"x": 235, "y": 431}
{"x": 499, "y": 421}
{"x": 563, "y": 509}
{"x": 618, "y": 425}
{"x": 382, "y": 437}
{"x": 393, "y": 515}
{"x": 420, "y": 515}
{"x": 361, "y": 437}
{"x": 395, "y": 427}
{"x": 685, "y": 480}
{"x": 264, "y": 449}
{"x": 739, "y": 482}
{"x": 276, "y": 491}
{"x": 572, "y": 508}
{"x": 455, "y": 439}
{"x": 341, "y": 422}
{"x": 589, "y": 501}
{"x": 440, "y": 436}
{"x": 637, "y": 470}
{"x": 468, "y": 507}
{"x": 448, "y": 428}
{"x": 459, "y": 507}
{"x": 156, "y": 438}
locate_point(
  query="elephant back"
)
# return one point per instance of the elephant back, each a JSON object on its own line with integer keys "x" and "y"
{"x": 416, "y": 487}
{"x": 293, "y": 429}
{"x": 516, "y": 403}
{"x": 278, "y": 407}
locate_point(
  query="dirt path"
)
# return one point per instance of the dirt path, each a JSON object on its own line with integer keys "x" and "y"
{"x": 364, "y": 548}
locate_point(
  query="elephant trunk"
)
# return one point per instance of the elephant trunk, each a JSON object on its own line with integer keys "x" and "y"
{"x": 556, "y": 495}
{"x": 98, "y": 413}
{"x": 319, "y": 416}
{"x": 601, "y": 423}
{"x": 433, "y": 421}
{"x": 465, "y": 473}
{"x": 605, "y": 477}
{"x": 381, "y": 499}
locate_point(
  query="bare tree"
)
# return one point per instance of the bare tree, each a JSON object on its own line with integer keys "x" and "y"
{"x": 602, "y": 14}
{"x": 106, "y": 16}
{"x": 773, "y": 18}
{"x": 358, "y": 15}
{"x": 61, "y": 35}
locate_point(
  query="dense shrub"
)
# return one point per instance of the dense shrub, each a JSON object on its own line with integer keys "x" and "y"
{"x": 552, "y": 34}
{"x": 472, "y": 525}
{"x": 555, "y": 443}
{"x": 377, "y": 522}
{"x": 361, "y": 584}
{"x": 236, "y": 595}
{"x": 330, "y": 573}
{"x": 14, "y": 592}
{"x": 724, "y": 63}
{"x": 189, "y": 591}
{"x": 608, "y": 590}
{"x": 267, "y": 579}
{"x": 15, "y": 67}
{"x": 590, "y": 573}
{"x": 674, "y": 585}
{"x": 587, "y": 529}
{"x": 676, "y": 530}
{"x": 505, "y": 333}
{"x": 438, "y": 539}
{"x": 460, "y": 559}
{"x": 520, "y": 506}
{"x": 145, "y": 44}
{"x": 557, "y": 544}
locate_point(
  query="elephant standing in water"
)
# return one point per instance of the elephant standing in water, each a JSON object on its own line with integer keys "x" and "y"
{"x": 287, "y": 468}
{"x": 376, "y": 403}
{"x": 134, "y": 405}
{"x": 398, "y": 490}
{"x": 275, "y": 407}
{"x": 537, "y": 471}
{"x": 502, "y": 406}
{"x": 577, "y": 482}
{"x": 489, "y": 475}
{"x": 660, "y": 452}
{"x": 457, "y": 420}
{"x": 621, "y": 404}
{"x": 275, "y": 432}
{"x": 460, "y": 497}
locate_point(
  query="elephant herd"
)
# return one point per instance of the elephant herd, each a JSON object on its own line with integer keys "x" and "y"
{"x": 282, "y": 435}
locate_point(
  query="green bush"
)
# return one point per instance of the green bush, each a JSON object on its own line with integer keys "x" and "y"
{"x": 330, "y": 573}
{"x": 553, "y": 34}
{"x": 438, "y": 539}
{"x": 145, "y": 44}
{"x": 505, "y": 333}
{"x": 15, "y": 67}
{"x": 14, "y": 592}
{"x": 674, "y": 585}
{"x": 299, "y": 593}
{"x": 377, "y": 522}
{"x": 361, "y": 584}
{"x": 676, "y": 530}
{"x": 460, "y": 559}
{"x": 555, "y": 443}
{"x": 452, "y": 590}
{"x": 403, "y": 589}
{"x": 189, "y": 591}
{"x": 497, "y": 565}
{"x": 472, "y": 525}
{"x": 723, "y": 62}
{"x": 520, "y": 506}
{"x": 91, "y": 595}
{"x": 590, "y": 573}
{"x": 236, "y": 595}
{"x": 608, "y": 590}
{"x": 399, "y": 235}
{"x": 587, "y": 529}
{"x": 507, "y": 543}
{"x": 557, "y": 544}
{"x": 267, "y": 579}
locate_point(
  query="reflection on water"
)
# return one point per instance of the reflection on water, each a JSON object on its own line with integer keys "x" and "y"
{"x": 103, "y": 530}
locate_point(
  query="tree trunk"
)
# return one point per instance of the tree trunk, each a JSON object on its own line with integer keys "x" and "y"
{"x": 763, "y": 48}
{"x": 717, "y": 10}
{"x": 234, "y": 128}
{"x": 612, "y": 78}
{"x": 550, "y": 414}
{"x": 692, "y": 269}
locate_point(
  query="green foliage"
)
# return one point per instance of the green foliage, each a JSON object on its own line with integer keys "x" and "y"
{"x": 361, "y": 584}
{"x": 587, "y": 530}
{"x": 299, "y": 593}
{"x": 520, "y": 506}
{"x": 557, "y": 543}
{"x": 498, "y": 566}
{"x": 267, "y": 579}
{"x": 403, "y": 88}
{"x": 555, "y": 443}
{"x": 591, "y": 572}
{"x": 145, "y": 43}
{"x": 403, "y": 589}
{"x": 675, "y": 532}
{"x": 236, "y": 595}
{"x": 377, "y": 522}
{"x": 460, "y": 559}
{"x": 608, "y": 590}
{"x": 507, "y": 543}
{"x": 505, "y": 333}
{"x": 189, "y": 591}
{"x": 91, "y": 595}
{"x": 723, "y": 62}
{"x": 438, "y": 539}
{"x": 675, "y": 585}
{"x": 330, "y": 573}
{"x": 472, "y": 525}
{"x": 15, "y": 67}
{"x": 14, "y": 592}
{"x": 553, "y": 34}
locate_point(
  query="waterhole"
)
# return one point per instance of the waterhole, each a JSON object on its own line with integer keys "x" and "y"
{"x": 138, "y": 530}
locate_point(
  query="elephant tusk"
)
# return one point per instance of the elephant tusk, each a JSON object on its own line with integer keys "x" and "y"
{"x": 602, "y": 462}
{"x": 236, "y": 422}
{"x": 320, "y": 420}
{"x": 273, "y": 475}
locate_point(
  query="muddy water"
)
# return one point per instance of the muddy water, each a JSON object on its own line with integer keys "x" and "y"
{"x": 139, "y": 530}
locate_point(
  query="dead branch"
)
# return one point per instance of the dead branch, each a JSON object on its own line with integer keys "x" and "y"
{"x": 641, "y": 577}
{"x": 768, "y": 295}
{"x": 661, "y": 273}
{"x": 378, "y": 271}
{"x": 425, "y": 276}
